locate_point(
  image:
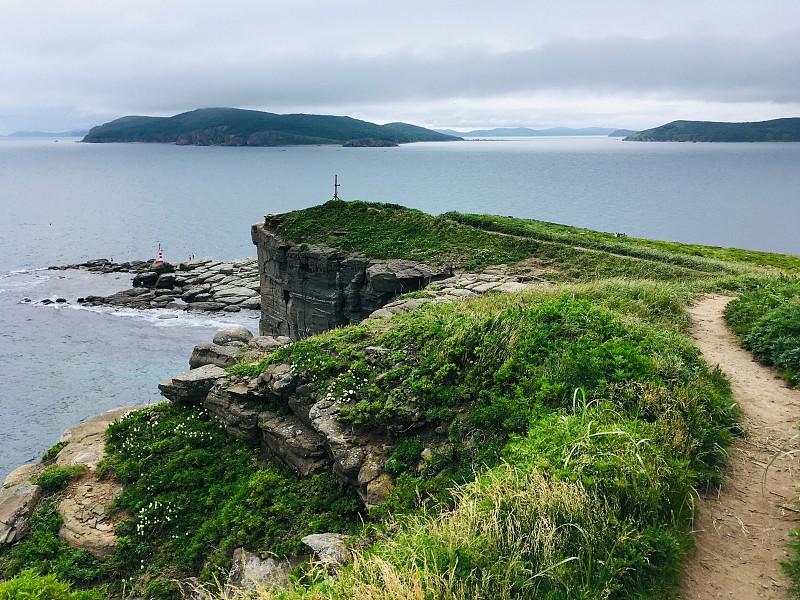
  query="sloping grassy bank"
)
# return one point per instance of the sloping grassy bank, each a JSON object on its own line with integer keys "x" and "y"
{"x": 577, "y": 433}
{"x": 544, "y": 444}
{"x": 767, "y": 319}
{"x": 468, "y": 242}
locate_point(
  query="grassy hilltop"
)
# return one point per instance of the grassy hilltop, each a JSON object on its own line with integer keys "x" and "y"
{"x": 578, "y": 418}
{"x": 238, "y": 127}
{"x": 776, "y": 130}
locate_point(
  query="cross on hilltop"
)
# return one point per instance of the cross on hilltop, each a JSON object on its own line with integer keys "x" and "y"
{"x": 336, "y": 185}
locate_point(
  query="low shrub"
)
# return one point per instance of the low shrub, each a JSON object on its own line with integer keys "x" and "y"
{"x": 767, "y": 319}
{"x": 30, "y": 585}
{"x": 53, "y": 451}
{"x": 53, "y": 478}
{"x": 44, "y": 550}
{"x": 195, "y": 493}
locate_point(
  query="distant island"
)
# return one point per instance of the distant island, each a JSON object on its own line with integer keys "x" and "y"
{"x": 239, "y": 127}
{"x": 527, "y": 132}
{"x": 776, "y": 130}
{"x": 621, "y": 133}
{"x": 28, "y": 134}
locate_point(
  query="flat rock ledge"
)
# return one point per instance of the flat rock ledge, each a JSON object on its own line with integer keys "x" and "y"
{"x": 86, "y": 522}
{"x": 460, "y": 287}
{"x": 200, "y": 284}
{"x": 83, "y": 505}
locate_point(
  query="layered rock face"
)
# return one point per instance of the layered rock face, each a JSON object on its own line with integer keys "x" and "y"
{"x": 310, "y": 290}
{"x": 281, "y": 412}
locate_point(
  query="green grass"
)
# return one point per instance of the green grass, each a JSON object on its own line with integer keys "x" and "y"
{"x": 556, "y": 252}
{"x": 54, "y": 478}
{"x": 44, "y": 551}
{"x": 544, "y": 444}
{"x": 581, "y": 419}
{"x": 767, "y": 319}
{"x": 194, "y": 494}
{"x": 30, "y": 585}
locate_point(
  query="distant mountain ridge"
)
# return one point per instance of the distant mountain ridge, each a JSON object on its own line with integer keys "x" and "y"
{"x": 776, "y": 130}
{"x": 528, "y": 132}
{"x": 240, "y": 127}
{"x": 73, "y": 133}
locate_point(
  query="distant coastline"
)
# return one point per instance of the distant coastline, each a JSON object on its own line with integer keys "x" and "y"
{"x": 238, "y": 127}
{"x": 776, "y": 130}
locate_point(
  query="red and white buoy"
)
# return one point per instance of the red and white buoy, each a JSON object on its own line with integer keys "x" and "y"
{"x": 160, "y": 258}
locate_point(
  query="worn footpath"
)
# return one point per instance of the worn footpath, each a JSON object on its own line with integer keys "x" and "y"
{"x": 742, "y": 528}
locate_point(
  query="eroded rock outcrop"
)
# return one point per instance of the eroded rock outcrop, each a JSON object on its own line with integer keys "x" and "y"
{"x": 18, "y": 499}
{"x": 87, "y": 523}
{"x": 200, "y": 284}
{"x": 251, "y": 572}
{"x": 293, "y": 421}
{"x": 309, "y": 290}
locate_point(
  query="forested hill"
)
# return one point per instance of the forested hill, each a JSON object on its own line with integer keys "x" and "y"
{"x": 777, "y": 130}
{"x": 238, "y": 127}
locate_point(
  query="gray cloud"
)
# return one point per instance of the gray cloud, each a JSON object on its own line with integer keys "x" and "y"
{"x": 355, "y": 57}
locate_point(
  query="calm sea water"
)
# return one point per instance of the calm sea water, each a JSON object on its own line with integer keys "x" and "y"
{"x": 64, "y": 202}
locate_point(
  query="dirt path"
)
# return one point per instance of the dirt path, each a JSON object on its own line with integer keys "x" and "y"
{"x": 740, "y": 531}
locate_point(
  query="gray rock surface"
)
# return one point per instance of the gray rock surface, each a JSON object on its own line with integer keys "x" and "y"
{"x": 293, "y": 444}
{"x": 233, "y": 334}
{"x": 86, "y": 524}
{"x": 86, "y": 441}
{"x": 329, "y": 548}
{"x": 250, "y": 572}
{"x": 192, "y": 386}
{"x": 17, "y": 503}
{"x": 214, "y": 354}
{"x": 199, "y": 284}
{"x": 305, "y": 291}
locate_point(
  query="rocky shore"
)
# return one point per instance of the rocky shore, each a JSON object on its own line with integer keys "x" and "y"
{"x": 300, "y": 430}
{"x": 202, "y": 284}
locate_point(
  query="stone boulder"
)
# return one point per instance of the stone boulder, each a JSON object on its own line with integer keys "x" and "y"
{"x": 290, "y": 442}
{"x": 214, "y": 354}
{"x": 192, "y": 589}
{"x": 239, "y": 417}
{"x": 399, "y": 276}
{"x": 250, "y": 572}
{"x": 329, "y": 548}
{"x": 85, "y": 522}
{"x": 85, "y": 442}
{"x": 18, "y": 499}
{"x": 192, "y": 386}
{"x": 233, "y": 334}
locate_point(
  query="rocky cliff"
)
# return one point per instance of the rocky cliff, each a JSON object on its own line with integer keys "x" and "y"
{"x": 307, "y": 290}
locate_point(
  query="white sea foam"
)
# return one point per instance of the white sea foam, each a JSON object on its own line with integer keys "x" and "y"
{"x": 165, "y": 317}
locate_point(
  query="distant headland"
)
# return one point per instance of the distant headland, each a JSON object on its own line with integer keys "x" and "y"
{"x": 239, "y": 127}
{"x": 776, "y": 130}
{"x": 528, "y": 132}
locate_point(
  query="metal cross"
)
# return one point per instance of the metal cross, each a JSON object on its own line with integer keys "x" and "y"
{"x": 336, "y": 185}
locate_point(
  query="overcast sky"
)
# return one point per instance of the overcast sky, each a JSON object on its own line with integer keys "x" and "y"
{"x": 460, "y": 64}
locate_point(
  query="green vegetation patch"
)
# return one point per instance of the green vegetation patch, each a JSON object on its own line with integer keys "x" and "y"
{"x": 54, "y": 478}
{"x": 579, "y": 423}
{"x": 31, "y": 585}
{"x": 776, "y": 130}
{"x": 767, "y": 319}
{"x": 45, "y": 552}
{"x": 455, "y": 240}
{"x": 194, "y": 494}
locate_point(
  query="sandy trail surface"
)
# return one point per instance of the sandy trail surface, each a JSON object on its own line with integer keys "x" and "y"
{"x": 741, "y": 529}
